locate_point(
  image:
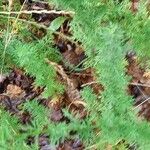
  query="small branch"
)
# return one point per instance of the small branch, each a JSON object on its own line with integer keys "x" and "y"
{"x": 89, "y": 83}
{"x": 38, "y": 12}
{"x": 140, "y": 84}
{"x": 142, "y": 103}
{"x": 136, "y": 84}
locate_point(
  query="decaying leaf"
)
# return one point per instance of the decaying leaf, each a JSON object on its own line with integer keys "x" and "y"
{"x": 14, "y": 91}
{"x": 71, "y": 91}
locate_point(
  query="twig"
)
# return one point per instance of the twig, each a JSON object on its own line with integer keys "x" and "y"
{"x": 38, "y": 12}
{"x": 140, "y": 84}
{"x": 78, "y": 74}
{"x": 137, "y": 84}
{"x": 89, "y": 83}
{"x": 142, "y": 103}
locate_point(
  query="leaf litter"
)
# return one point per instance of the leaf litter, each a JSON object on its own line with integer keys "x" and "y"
{"x": 17, "y": 87}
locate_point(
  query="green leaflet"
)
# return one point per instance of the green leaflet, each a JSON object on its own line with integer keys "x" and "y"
{"x": 55, "y": 24}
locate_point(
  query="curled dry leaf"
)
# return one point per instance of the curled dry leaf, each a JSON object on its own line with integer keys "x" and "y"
{"x": 72, "y": 92}
{"x": 79, "y": 102}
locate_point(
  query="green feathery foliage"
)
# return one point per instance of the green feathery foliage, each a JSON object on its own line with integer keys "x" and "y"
{"x": 90, "y": 16}
{"x": 14, "y": 135}
{"x": 103, "y": 28}
{"x": 31, "y": 57}
{"x": 58, "y": 132}
{"x": 107, "y": 30}
{"x": 11, "y": 138}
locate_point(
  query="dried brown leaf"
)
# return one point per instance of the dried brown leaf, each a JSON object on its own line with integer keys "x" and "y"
{"x": 71, "y": 91}
{"x": 14, "y": 91}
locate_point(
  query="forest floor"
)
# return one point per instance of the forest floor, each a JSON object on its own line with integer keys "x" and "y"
{"x": 17, "y": 87}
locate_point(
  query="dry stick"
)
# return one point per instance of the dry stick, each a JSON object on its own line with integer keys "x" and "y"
{"x": 38, "y": 12}
{"x": 78, "y": 74}
{"x": 142, "y": 103}
{"x": 137, "y": 84}
{"x": 140, "y": 84}
{"x": 89, "y": 83}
